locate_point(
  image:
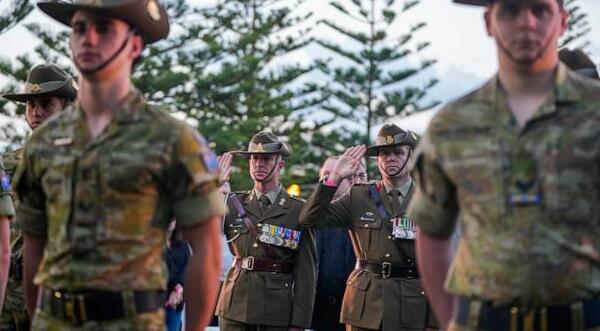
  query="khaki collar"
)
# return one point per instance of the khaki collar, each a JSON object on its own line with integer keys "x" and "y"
{"x": 272, "y": 195}
{"x": 403, "y": 188}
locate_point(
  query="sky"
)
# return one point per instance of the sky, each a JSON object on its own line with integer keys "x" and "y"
{"x": 465, "y": 54}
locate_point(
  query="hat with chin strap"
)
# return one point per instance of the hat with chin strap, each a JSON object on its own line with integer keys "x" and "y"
{"x": 46, "y": 80}
{"x": 392, "y": 135}
{"x": 266, "y": 143}
{"x": 147, "y": 16}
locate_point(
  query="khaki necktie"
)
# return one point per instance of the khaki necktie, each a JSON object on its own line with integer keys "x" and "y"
{"x": 394, "y": 196}
{"x": 264, "y": 204}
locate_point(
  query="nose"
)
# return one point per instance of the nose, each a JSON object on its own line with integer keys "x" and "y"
{"x": 527, "y": 19}
{"x": 90, "y": 36}
{"x": 38, "y": 110}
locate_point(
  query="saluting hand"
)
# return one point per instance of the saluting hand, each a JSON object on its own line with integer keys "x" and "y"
{"x": 346, "y": 165}
{"x": 224, "y": 172}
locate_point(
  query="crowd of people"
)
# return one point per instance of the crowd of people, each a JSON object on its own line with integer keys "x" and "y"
{"x": 112, "y": 214}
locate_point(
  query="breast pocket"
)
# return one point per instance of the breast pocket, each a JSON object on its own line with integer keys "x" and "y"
{"x": 130, "y": 173}
{"x": 367, "y": 228}
{"x": 474, "y": 161}
{"x": 278, "y": 297}
{"x": 57, "y": 185}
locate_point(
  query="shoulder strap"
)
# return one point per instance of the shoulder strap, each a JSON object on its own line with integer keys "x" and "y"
{"x": 378, "y": 202}
{"x": 237, "y": 204}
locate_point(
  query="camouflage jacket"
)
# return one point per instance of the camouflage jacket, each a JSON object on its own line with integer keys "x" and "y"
{"x": 104, "y": 203}
{"x": 13, "y": 311}
{"x": 528, "y": 197}
{"x": 6, "y": 204}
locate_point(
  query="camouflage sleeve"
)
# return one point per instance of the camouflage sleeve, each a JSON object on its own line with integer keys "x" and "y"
{"x": 6, "y": 204}
{"x": 31, "y": 212}
{"x": 194, "y": 188}
{"x": 434, "y": 206}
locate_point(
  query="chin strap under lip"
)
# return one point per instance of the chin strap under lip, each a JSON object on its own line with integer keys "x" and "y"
{"x": 401, "y": 168}
{"x": 270, "y": 172}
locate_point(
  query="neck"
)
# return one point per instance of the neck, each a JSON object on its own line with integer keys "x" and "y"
{"x": 527, "y": 80}
{"x": 100, "y": 97}
{"x": 266, "y": 186}
{"x": 396, "y": 181}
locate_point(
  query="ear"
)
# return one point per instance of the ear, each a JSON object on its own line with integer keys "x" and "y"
{"x": 487, "y": 17}
{"x": 564, "y": 20}
{"x": 137, "y": 46}
{"x": 281, "y": 163}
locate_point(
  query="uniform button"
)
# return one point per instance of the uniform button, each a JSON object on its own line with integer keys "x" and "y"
{"x": 388, "y": 255}
{"x": 255, "y": 245}
{"x": 286, "y": 285}
{"x": 423, "y": 293}
{"x": 235, "y": 231}
{"x": 366, "y": 225}
{"x": 389, "y": 237}
{"x": 408, "y": 260}
{"x": 259, "y": 225}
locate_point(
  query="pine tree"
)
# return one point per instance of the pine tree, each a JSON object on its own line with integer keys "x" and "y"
{"x": 17, "y": 11}
{"x": 373, "y": 86}
{"x": 579, "y": 27}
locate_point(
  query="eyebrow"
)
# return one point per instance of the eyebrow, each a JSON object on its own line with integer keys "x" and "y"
{"x": 98, "y": 21}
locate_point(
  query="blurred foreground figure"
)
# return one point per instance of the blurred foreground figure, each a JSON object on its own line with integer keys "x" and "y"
{"x": 99, "y": 183}
{"x": 517, "y": 161}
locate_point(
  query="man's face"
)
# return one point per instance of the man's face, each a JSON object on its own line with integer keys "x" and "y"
{"x": 526, "y": 31}
{"x": 391, "y": 161}
{"x": 261, "y": 166}
{"x": 39, "y": 109}
{"x": 96, "y": 38}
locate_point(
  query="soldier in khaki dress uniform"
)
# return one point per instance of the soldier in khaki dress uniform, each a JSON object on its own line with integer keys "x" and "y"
{"x": 48, "y": 90}
{"x": 517, "y": 162}
{"x": 384, "y": 291}
{"x": 271, "y": 284}
{"x": 99, "y": 183}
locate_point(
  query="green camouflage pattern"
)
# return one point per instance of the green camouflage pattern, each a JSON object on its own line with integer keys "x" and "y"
{"x": 6, "y": 204}
{"x": 153, "y": 321}
{"x": 474, "y": 159}
{"x": 14, "y": 311}
{"x": 104, "y": 204}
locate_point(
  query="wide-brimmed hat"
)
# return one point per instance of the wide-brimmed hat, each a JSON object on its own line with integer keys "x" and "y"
{"x": 266, "y": 143}
{"x": 46, "y": 80}
{"x": 391, "y": 135}
{"x": 148, "y": 16}
{"x": 474, "y": 2}
{"x": 579, "y": 62}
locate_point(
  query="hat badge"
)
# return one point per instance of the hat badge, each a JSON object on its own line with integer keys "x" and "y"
{"x": 389, "y": 139}
{"x": 259, "y": 148}
{"x": 35, "y": 88}
{"x": 153, "y": 10}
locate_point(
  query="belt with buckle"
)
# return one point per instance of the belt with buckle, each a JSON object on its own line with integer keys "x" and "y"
{"x": 81, "y": 306}
{"x": 16, "y": 271}
{"x": 579, "y": 315}
{"x": 253, "y": 264}
{"x": 388, "y": 269}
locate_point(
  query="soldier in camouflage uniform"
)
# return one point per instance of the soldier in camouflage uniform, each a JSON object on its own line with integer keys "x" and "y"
{"x": 271, "y": 285}
{"x": 383, "y": 292}
{"x": 517, "y": 162}
{"x": 47, "y": 91}
{"x": 99, "y": 183}
{"x": 7, "y": 211}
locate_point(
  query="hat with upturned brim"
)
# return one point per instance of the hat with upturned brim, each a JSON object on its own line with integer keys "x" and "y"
{"x": 266, "y": 143}
{"x": 579, "y": 62}
{"x": 46, "y": 80}
{"x": 474, "y": 2}
{"x": 392, "y": 135}
{"x": 148, "y": 16}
